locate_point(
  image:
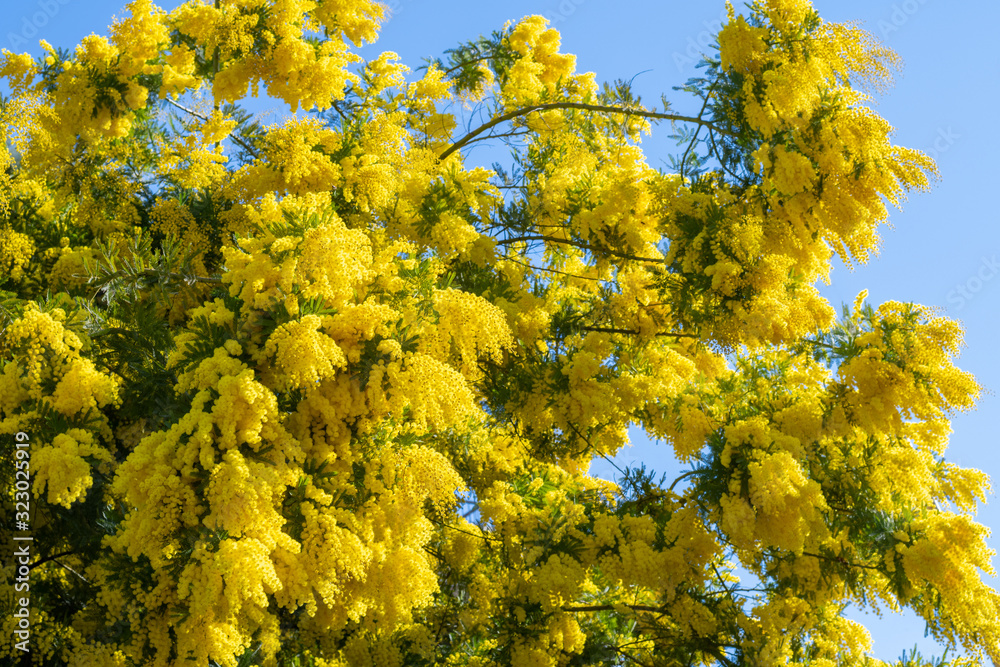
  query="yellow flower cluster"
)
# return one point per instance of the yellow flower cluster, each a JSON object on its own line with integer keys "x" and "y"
{"x": 742, "y": 47}
{"x": 540, "y": 66}
{"x": 787, "y": 504}
{"x": 16, "y": 250}
{"x": 434, "y": 394}
{"x": 905, "y": 349}
{"x": 276, "y": 50}
{"x": 61, "y": 466}
{"x": 333, "y": 264}
{"x": 797, "y": 96}
{"x": 362, "y": 436}
{"x": 477, "y": 329}
{"x": 302, "y": 354}
{"x": 50, "y": 373}
{"x": 948, "y": 558}
{"x": 296, "y": 160}
{"x": 139, "y": 38}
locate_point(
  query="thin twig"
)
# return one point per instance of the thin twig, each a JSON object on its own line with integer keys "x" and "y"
{"x": 631, "y": 657}
{"x": 73, "y": 571}
{"x": 684, "y": 476}
{"x": 708, "y": 96}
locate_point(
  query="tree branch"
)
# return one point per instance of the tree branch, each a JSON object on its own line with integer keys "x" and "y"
{"x": 689, "y": 473}
{"x": 630, "y": 657}
{"x": 600, "y": 108}
{"x": 611, "y": 607}
{"x": 578, "y": 244}
{"x": 48, "y": 558}
{"x": 205, "y": 118}
{"x": 562, "y": 273}
{"x": 842, "y": 561}
{"x": 630, "y": 332}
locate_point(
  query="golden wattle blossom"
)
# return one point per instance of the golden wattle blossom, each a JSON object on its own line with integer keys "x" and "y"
{"x": 323, "y": 392}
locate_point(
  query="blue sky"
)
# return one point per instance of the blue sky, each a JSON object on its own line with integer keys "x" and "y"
{"x": 943, "y": 249}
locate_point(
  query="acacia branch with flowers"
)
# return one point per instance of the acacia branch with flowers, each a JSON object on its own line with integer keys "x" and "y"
{"x": 327, "y": 392}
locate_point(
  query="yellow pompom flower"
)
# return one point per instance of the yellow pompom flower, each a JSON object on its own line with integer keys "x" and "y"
{"x": 16, "y": 250}
{"x": 303, "y": 355}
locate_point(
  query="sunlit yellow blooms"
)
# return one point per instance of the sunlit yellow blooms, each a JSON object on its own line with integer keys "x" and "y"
{"x": 385, "y": 72}
{"x": 357, "y": 20}
{"x": 922, "y": 342}
{"x": 297, "y": 159}
{"x": 792, "y": 172}
{"x": 51, "y": 369}
{"x": 242, "y": 410}
{"x": 477, "y": 328}
{"x": 16, "y": 250}
{"x": 81, "y": 387}
{"x": 208, "y": 372}
{"x": 334, "y": 262}
{"x": 949, "y": 557}
{"x": 540, "y": 65}
{"x": 433, "y": 86}
{"x": 62, "y": 468}
{"x": 435, "y": 394}
{"x": 740, "y": 45}
{"x": 217, "y": 128}
{"x": 178, "y": 71}
{"x": 18, "y": 69}
{"x": 429, "y": 474}
{"x": 786, "y": 503}
{"x": 531, "y": 37}
{"x": 317, "y": 389}
{"x": 302, "y": 354}
{"x": 139, "y": 38}
{"x": 236, "y": 503}
{"x": 97, "y": 51}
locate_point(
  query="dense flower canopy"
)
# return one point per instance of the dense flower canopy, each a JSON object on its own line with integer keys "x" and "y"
{"x": 326, "y": 393}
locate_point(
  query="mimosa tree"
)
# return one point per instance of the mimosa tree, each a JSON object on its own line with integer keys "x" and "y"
{"x": 327, "y": 393}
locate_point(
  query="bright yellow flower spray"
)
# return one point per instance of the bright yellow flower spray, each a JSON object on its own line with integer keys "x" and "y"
{"x": 321, "y": 393}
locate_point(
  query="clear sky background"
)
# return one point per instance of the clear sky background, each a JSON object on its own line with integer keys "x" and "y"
{"x": 943, "y": 249}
